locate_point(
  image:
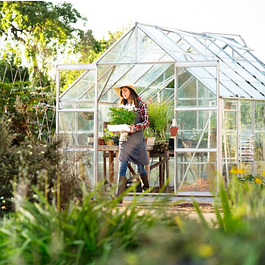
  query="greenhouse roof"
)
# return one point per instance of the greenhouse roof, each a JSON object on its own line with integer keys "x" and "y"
{"x": 145, "y": 52}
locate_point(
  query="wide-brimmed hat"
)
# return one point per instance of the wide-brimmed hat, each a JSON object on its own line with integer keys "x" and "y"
{"x": 118, "y": 88}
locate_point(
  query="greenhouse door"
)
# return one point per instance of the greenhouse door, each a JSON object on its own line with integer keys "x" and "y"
{"x": 76, "y": 120}
{"x": 197, "y": 105}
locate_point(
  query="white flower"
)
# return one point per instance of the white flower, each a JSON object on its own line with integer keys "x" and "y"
{"x": 129, "y": 107}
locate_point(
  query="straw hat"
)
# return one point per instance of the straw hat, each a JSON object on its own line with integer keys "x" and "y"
{"x": 118, "y": 88}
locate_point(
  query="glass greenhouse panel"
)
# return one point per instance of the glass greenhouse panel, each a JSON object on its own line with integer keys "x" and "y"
{"x": 81, "y": 164}
{"x": 158, "y": 76}
{"x": 77, "y": 128}
{"x": 159, "y": 36}
{"x": 195, "y": 49}
{"x": 196, "y": 171}
{"x": 246, "y": 113}
{"x": 232, "y": 90}
{"x": 149, "y": 51}
{"x": 191, "y": 92}
{"x": 261, "y": 88}
{"x": 250, "y": 89}
{"x": 165, "y": 95}
{"x": 103, "y": 110}
{"x": 197, "y": 129}
{"x": 259, "y": 148}
{"x": 83, "y": 87}
{"x": 135, "y": 72}
{"x": 107, "y": 82}
{"x": 259, "y": 116}
{"x": 123, "y": 51}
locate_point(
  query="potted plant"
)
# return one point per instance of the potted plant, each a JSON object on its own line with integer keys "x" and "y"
{"x": 174, "y": 128}
{"x": 160, "y": 115}
{"x": 149, "y": 136}
{"x": 121, "y": 117}
{"x": 108, "y": 137}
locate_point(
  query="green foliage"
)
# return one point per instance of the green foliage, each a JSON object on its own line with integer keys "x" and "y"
{"x": 107, "y": 135}
{"x": 236, "y": 234}
{"x": 40, "y": 234}
{"x": 42, "y": 28}
{"x": 120, "y": 115}
{"x": 160, "y": 116}
{"x": 28, "y": 110}
{"x": 96, "y": 231}
{"x": 24, "y": 162}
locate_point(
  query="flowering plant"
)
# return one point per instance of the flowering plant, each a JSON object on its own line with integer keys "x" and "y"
{"x": 244, "y": 177}
{"x": 123, "y": 114}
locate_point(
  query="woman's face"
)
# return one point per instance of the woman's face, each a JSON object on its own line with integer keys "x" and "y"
{"x": 126, "y": 93}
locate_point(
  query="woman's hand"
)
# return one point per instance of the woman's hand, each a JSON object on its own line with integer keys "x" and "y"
{"x": 132, "y": 128}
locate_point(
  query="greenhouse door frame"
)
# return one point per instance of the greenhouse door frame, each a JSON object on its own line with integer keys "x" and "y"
{"x": 77, "y": 67}
{"x": 217, "y": 108}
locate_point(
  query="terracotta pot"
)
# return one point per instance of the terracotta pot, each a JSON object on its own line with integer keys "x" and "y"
{"x": 101, "y": 141}
{"x": 228, "y": 105}
{"x": 174, "y": 131}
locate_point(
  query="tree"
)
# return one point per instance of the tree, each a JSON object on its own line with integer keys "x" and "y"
{"x": 43, "y": 29}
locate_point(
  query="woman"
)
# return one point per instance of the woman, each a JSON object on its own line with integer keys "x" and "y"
{"x": 133, "y": 148}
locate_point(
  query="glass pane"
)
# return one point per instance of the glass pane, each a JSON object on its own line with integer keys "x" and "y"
{"x": 196, "y": 172}
{"x": 124, "y": 50}
{"x": 81, "y": 164}
{"x": 77, "y": 128}
{"x": 259, "y": 116}
{"x": 259, "y": 125}
{"x": 230, "y": 135}
{"x": 246, "y": 115}
{"x": 149, "y": 51}
{"x": 83, "y": 88}
{"x": 197, "y": 129}
{"x": 192, "y": 92}
{"x": 107, "y": 82}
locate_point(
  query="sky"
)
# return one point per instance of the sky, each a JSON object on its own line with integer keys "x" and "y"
{"x": 245, "y": 18}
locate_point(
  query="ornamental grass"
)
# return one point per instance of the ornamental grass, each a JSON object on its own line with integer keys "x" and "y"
{"x": 98, "y": 231}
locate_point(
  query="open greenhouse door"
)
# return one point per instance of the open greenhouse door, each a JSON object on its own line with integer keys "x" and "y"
{"x": 76, "y": 121}
{"x": 198, "y": 110}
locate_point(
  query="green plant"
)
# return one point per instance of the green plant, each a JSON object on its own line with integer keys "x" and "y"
{"x": 107, "y": 135}
{"x": 26, "y": 163}
{"x": 89, "y": 231}
{"x": 122, "y": 115}
{"x": 160, "y": 115}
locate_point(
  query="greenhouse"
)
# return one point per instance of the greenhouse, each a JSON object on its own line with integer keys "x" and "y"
{"x": 212, "y": 82}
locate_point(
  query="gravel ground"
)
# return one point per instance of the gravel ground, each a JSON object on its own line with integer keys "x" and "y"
{"x": 181, "y": 208}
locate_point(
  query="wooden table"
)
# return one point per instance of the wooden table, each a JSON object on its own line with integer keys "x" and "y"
{"x": 163, "y": 164}
{"x": 113, "y": 151}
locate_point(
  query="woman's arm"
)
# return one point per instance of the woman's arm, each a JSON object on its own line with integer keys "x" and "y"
{"x": 143, "y": 114}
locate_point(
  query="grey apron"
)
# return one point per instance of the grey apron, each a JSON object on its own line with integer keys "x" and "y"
{"x": 134, "y": 148}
